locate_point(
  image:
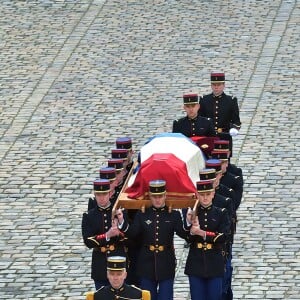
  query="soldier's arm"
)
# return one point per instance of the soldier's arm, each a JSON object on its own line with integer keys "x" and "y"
{"x": 201, "y": 111}
{"x": 235, "y": 118}
{"x": 90, "y": 238}
{"x": 181, "y": 227}
{"x": 175, "y": 126}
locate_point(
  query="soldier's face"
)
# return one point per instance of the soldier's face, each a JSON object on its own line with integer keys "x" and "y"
{"x": 224, "y": 166}
{"x": 158, "y": 200}
{"x": 218, "y": 88}
{"x": 218, "y": 177}
{"x": 206, "y": 198}
{"x": 116, "y": 278}
{"x": 102, "y": 199}
{"x": 191, "y": 110}
{"x": 120, "y": 175}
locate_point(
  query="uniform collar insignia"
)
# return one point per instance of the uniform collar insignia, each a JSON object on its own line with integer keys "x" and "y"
{"x": 148, "y": 222}
{"x": 117, "y": 290}
{"x": 159, "y": 209}
{"x": 104, "y": 208}
{"x": 206, "y": 208}
{"x": 194, "y": 119}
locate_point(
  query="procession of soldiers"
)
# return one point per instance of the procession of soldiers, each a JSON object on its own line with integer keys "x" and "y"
{"x": 133, "y": 249}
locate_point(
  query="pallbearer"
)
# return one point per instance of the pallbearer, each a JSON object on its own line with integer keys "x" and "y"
{"x": 126, "y": 143}
{"x": 100, "y": 232}
{"x": 108, "y": 173}
{"x": 205, "y": 262}
{"x": 156, "y": 227}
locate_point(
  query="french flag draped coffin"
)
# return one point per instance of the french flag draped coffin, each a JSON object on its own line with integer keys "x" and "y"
{"x": 171, "y": 157}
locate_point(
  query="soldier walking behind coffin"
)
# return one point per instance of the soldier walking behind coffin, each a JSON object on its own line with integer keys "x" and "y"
{"x": 193, "y": 124}
{"x": 100, "y": 233}
{"x": 221, "y": 108}
{"x": 205, "y": 262}
{"x": 156, "y": 259}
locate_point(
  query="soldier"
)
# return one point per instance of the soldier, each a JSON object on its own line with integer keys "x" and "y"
{"x": 233, "y": 181}
{"x": 219, "y": 200}
{"x": 223, "y": 145}
{"x": 122, "y": 144}
{"x": 100, "y": 233}
{"x": 221, "y": 108}
{"x": 220, "y": 188}
{"x": 117, "y": 288}
{"x": 193, "y": 125}
{"x": 118, "y": 164}
{"x": 122, "y": 154}
{"x": 157, "y": 225}
{"x": 126, "y": 143}
{"x": 228, "y": 179}
{"x": 205, "y": 262}
{"x": 223, "y": 202}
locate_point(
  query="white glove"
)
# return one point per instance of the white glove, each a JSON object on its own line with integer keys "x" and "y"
{"x": 233, "y": 132}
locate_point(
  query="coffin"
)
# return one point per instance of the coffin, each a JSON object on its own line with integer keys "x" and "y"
{"x": 171, "y": 157}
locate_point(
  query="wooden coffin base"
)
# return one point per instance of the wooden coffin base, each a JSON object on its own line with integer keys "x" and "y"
{"x": 172, "y": 201}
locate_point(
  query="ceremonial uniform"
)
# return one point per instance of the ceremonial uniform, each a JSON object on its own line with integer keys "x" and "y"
{"x": 157, "y": 256}
{"x": 124, "y": 292}
{"x": 193, "y": 125}
{"x": 117, "y": 289}
{"x": 205, "y": 258}
{"x": 205, "y": 262}
{"x": 223, "y": 145}
{"x": 156, "y": 260}
{"x": 232, "y": 181}
{"x": 95, "y": 223}
{"x": 198, "y": 126}
{"x": 133, "y": 244}
{"x": 222, "y": 109}
{"x": 233, "y": 169}
{"x": 218, "y": 200}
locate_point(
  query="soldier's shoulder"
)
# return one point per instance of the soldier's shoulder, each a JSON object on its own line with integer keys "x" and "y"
{"x": 101, "y": 289}
{"x": 135, "y": 291}
{"x": 179, "y": 120}
{"x": 225, "y": 187}
{"x": 207, "y": 96}
{"x": 231, "y": 97}
{"x": 135, "y": 287}
{"x": 220, "y": 209}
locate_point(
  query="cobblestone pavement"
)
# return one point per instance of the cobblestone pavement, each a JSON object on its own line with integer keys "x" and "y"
{"x": 75, "y": 75}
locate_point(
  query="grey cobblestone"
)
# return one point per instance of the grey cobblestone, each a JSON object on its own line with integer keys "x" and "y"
{"x": 78, "y": 74}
